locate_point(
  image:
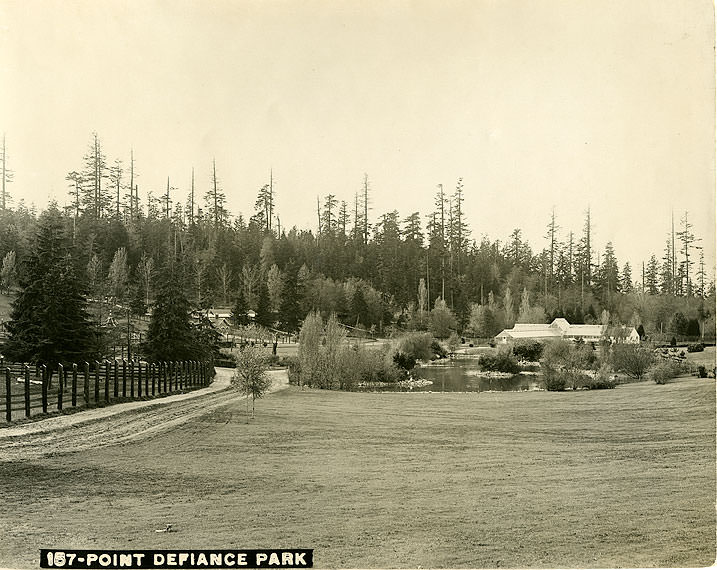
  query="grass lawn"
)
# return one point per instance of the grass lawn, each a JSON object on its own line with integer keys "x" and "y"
{"x": 622, "y": 477}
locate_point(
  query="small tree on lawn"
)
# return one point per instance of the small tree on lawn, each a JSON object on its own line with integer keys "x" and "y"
{"x": 251, "y": 377}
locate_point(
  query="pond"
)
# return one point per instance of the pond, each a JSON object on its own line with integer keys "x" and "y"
{"x": 462, "y": 375}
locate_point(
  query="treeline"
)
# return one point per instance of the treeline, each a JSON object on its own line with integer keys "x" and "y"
{"x": 372, "y": 272}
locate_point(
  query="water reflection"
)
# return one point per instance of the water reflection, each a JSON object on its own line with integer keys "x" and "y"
{"x": 461, "y": 375}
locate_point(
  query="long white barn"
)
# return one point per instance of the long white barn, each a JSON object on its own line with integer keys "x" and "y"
{"x": 562, "y": 329}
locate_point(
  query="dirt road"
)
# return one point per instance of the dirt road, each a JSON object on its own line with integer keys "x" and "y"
{"x": 120, "y": 423}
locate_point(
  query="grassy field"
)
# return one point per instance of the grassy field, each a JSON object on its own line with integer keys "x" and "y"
{"x": 622, "y": 477}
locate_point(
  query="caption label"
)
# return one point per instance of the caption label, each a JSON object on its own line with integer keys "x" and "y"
{"x": 284, "y": 558}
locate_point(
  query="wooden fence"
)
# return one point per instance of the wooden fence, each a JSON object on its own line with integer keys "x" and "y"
{"x": 27, "y": 391}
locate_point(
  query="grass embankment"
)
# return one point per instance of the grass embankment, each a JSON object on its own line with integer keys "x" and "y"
{"x": 622, "y": 477}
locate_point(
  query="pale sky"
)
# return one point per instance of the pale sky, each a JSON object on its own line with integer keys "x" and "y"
{"x": 534, "y": 104}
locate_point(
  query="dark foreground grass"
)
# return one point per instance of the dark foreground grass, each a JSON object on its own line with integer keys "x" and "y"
{"x": 622, "y": 477}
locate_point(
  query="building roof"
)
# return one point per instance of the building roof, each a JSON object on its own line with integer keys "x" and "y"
{"x": 585, "y": 330}
{"x": 544, "y": 332}
{"x": 561, "y": 328}
{"x": 527, "y": 326}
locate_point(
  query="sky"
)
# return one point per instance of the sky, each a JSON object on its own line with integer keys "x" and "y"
{"x": 535, "y": 105}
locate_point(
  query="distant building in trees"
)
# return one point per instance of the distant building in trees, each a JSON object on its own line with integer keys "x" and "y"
{"x": 562, "y": 329}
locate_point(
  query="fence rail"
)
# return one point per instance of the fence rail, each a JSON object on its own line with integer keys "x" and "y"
{"x": 26, "y": 391}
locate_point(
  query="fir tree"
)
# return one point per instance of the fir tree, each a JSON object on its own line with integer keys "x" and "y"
{"x": 289, "y": 313}
{"x": 240, "y": 309}
{"x": 170, "y": 335}
{"x": 264, "y": 314}
{"x": 49, "y": 321}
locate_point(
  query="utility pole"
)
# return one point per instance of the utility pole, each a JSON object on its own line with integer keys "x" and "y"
{"x": 131, "y": 183}
{"x": 674, "y": 259}
{"x": 129, "y": 337}
{"x": 365, "y": 208}
{"x": 443, "y": 241}
{"x": 191, "y": 201}
{"x": 318, "y": 213}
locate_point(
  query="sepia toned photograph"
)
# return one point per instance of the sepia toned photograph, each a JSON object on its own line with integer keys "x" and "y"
{"x": 357, "y": 284}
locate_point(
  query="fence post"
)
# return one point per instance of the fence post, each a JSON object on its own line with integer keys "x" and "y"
{"x": 139, "y": 378}
{"x": 97, "y": 382}
{"x": 86, "y": 390}
{"x": 124, "y": 378}
{"x": 44, "y": 388}
{"x": 164, "y": 375}
{"x": 146, "y": 380}
{"x": 8, "y": 396}
{"x": 170, "y": 365}
{"x": 74, "y": 385}
{"x": 131, "y": 378}
{"x": 60, "y": 385}
{"x": 153, "y": 372}
{"x": 107, "y": 381}
{"x": 115, "y": 392}
{"x": 27, "y": 391}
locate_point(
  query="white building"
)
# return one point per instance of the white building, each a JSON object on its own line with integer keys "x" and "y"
{"x": 562, "y": 329}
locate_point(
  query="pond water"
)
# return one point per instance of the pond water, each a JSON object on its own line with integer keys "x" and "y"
{"x": 461, "y": 375}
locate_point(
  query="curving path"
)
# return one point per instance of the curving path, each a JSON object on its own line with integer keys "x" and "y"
{"x": 122, "y": 422}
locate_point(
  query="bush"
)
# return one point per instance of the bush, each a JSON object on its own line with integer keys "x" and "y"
{"x": 294, "y": 370}
{"x": 563, "y": 364}
{"x": 454, "y": 341}
{"x": 437, "y": 350}
{"x": 530, "y": 351}
{"x": 275, "y": 360}
{"x": 701, "y": 371}
{"x": 632, "y": 359}
{"x": 416, "y": 345}
{"x": 664, "y": 371}
{"x": 699, "y": 347}
{"x": 502, "y": 361}
{"x": 404, "y": 361}
{"x": 602, "y": 380}
{"x": 555, "y": 382}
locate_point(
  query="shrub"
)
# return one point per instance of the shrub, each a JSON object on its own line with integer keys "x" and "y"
{"x": 632, "y": 359}
{"x": 502, "y": 361}
{"x": 437, "y": 350}
{"x": 225, "y": 362}
{"x": 416, "y": 345}
{"x": 404, "y": 361}
{"x": 454, "y": 341}
{"x": 664, "y": 371}
{"x": 555, "y": 382}
{"x": 294, "y": 370}
{"x": 530, "y": 351}
{"x": 698, "y": 347}
{"x": 701, "y": 371}
{"x": 563, "y": 363}
{"x": 275, "y": 360}
{"x": 602, "y": 380}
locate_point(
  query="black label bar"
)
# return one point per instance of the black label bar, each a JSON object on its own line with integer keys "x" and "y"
{"x": 131, "y": 559}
